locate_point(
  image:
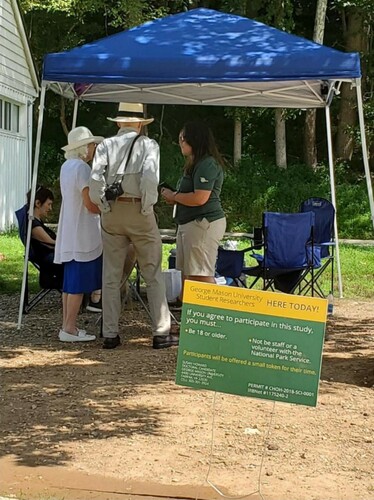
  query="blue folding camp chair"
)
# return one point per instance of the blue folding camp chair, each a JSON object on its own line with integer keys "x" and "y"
{"x": 324, "y": 242}
{"x": 287, "y": 252}
{"x": 50, "y": 275}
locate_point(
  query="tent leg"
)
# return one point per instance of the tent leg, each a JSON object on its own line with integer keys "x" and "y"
{"x": 29, "y": 145}
{"x": 32, "y": 201}
{"x": 364, "y": 146}
{"x": 75, "y": 114}
{"x": 333, "y": 198}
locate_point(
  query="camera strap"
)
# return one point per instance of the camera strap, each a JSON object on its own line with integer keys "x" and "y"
{"x": 119, "y": 179}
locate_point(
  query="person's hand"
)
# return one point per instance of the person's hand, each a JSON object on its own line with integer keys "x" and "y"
{"x": 94, "y": 209}
{"x": 168, "y": 195}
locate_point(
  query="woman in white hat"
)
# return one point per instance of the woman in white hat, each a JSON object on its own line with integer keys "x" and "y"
{"x": 78, "y": 243}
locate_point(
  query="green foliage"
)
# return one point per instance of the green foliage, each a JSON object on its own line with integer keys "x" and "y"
{"x": 115, "y": 12}
{"x": 255, "y": 186}
{"x": 366, "y": 6}
{"x": 170, "y": 171}
{"x": 55, "y": 25}
{"x": 354, "y": 219}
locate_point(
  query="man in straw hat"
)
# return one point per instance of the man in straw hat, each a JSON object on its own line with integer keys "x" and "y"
{"x": 133, "y": 160}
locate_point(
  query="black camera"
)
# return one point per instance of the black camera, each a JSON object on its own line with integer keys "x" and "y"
{"x": 113, "y": 191}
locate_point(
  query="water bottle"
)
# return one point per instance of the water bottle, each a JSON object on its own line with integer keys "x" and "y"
{"x": 172, "y": 258}
{"x": 330, "y": 304}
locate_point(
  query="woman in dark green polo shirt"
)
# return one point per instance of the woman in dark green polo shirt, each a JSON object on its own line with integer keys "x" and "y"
{"x": 198, "y": 210}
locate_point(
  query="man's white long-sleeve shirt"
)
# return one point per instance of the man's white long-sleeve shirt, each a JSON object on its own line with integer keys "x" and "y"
{"x": 142, "y": 173}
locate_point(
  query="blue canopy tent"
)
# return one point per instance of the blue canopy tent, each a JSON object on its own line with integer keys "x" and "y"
{"x": 202, "y": 57}
{"x": 205, "y": 57}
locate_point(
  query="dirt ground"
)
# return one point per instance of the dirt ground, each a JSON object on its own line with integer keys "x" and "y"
{"x": 80, "y": 422}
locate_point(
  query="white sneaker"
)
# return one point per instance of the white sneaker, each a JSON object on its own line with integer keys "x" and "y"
{"x": 95, "y": 307}
{"x": 81, "y": 336}
{"x": 78, "y": 330}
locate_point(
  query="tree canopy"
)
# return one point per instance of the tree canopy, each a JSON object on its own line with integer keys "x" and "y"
{"x": 57, "y": 25}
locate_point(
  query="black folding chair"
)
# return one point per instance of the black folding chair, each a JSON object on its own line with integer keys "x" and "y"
{"x": 50, "y": 275}
{"x": 287, "y": 252}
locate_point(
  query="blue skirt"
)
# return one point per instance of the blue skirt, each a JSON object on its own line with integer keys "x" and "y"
{"x": 82, "y": 277}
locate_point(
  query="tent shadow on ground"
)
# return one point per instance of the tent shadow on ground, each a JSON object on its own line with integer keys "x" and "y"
{"x": 63, "y": 405}
{"x": 356, "y": 370}
{"x": 348, "y": 354}
{"x": 57, "y": 393}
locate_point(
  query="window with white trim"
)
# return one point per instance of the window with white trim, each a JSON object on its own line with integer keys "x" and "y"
{"x": 9, "y": 116}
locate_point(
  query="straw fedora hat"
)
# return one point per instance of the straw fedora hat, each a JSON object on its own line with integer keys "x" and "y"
{"x": 80, "y": 136}
{"x": 131, "y": 112}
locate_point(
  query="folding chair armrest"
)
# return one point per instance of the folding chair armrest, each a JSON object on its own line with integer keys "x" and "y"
{"x": 258, "y": 256}
{"x": 316, "y": 254}
{"x": 248, "y": 249}
{"x": 326, "y": 244}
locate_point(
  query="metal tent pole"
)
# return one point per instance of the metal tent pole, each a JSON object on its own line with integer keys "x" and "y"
{"x": 364, "y": 146}
{"x": 75, "y": 113}
{"x": 333, "y": 197}
{"x": 32, "y": 201}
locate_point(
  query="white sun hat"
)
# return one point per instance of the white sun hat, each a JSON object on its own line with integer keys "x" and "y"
{"x": 80, "y": 136}
{"x": 131, "y": 112}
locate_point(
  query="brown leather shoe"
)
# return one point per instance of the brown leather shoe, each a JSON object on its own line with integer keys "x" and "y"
{"x": 165, "y": 341}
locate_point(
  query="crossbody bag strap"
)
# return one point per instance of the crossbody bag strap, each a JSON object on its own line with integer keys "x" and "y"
{"x": 120, "y": 178}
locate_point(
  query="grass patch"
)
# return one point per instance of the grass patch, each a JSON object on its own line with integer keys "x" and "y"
{"x": 11, "y": 266}
{"x": 357, "y": 264}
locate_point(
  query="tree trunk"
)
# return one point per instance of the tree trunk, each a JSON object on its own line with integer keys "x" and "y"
{"x": 65, "y": 127}
{"x": 310, "y": 148}
{"x": 355, "y": 42}
{"x": 237, "y": 141}
{"x": 279, "y": 9}
{"x": 280, "y": 139}
{"x": 319, "y": 22}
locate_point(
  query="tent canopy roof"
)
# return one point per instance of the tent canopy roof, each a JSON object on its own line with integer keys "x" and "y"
{"x": 201, "y": 57}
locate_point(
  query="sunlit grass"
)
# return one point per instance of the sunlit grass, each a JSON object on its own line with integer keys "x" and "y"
{"x": 357, "y": 264}
{"x": 11, "y": 265}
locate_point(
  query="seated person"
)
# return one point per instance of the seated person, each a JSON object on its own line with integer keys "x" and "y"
{"x": 43, "y": 239}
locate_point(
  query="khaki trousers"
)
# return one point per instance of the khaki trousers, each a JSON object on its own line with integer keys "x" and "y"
{"x": 122, "y": 226}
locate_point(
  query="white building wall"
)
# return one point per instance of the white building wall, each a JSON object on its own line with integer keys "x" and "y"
{"x": 14, "y": 63}
{"x": 18, "y": 86}
{"x": 14, "y": 177}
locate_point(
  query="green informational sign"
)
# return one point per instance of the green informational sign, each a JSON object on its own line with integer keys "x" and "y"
{"x": 252, "y": 343}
